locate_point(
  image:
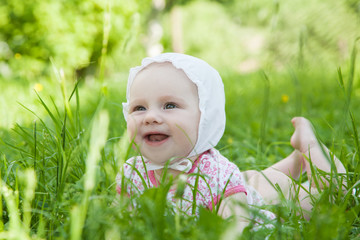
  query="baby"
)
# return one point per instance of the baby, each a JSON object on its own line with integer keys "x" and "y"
{"x": 175, "y": 113}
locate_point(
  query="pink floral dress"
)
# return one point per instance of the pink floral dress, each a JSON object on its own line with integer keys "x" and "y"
{"x": 219, "y": 178}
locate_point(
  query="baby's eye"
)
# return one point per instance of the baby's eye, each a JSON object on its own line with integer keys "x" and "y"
{"x": 138, "y": 108}
{"x": 170, "y": 106}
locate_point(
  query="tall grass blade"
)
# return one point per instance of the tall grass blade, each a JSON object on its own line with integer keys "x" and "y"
{"x": 77, "y": 111}
{"x": 357, "y": 145}
{"x": 302, "y": 37}
{"x": 29, "y": 183}
{"x": 122, "y": 150}
{"x": 314, "y": 173}
{"x": 74, "y": 90}
{"x": 16, "y": 230}
{"x": 55, "y": 107}
{"x": 1, "y": 207}
{"x": 341, "y": 80}
{"x": 77, "y": 222}
{"x": 298, "y": 93}
{"x": 106, "y": 33}
{"x": 264, "y": 115}
{"x": 98, "y": 137}
{"x": 195, "y": 190}
{"x": 351, "y": 73}
{"x": 41, "y": 224}
{"x": 60, "y": 76}
{"x": 35, "y": 146}
{"x": 348, "y": 89}
{"x": 130, "y": 36}
{"x": 63, "y": 159}
{"x": 55, "y": 121}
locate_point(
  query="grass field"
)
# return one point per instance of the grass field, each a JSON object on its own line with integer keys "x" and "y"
{"x": 63, "y": 141}
{"x": 59, "y": 162}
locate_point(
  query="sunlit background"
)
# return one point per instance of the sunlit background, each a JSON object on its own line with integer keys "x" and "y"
{"x": 96, "y": 42}
{"x": 63, "y": 71}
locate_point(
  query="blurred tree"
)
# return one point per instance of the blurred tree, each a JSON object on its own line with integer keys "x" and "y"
{"x": 354, "y": 5}
{"x": 74, "y": 32}
{"x": 169, "y": 4}
{"x": 155, "y": 28}
{"x": 70, "y": 32}
{"x": 303, "y": 31}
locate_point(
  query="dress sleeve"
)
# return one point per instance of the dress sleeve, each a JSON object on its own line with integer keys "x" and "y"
{"x": 229, "y": 178}
{"x": 235, "y": 183}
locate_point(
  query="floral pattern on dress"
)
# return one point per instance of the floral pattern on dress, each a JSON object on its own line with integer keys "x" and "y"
{"x": 223, "y": 179}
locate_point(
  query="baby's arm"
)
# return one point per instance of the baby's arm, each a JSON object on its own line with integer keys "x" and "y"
{"x": 236, "y": 206}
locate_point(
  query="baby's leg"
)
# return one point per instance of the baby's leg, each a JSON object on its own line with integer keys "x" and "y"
{"x": 292, "y": 165}
{"x": 265, "y": 181}
{"x": 280, "y": 173}
{"x": 305, "y": 141}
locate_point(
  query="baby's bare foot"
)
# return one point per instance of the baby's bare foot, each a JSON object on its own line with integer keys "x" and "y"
{"x": 305, "y": 141}
{"x": 304, "y": 137}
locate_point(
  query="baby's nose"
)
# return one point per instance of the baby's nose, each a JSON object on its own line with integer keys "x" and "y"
{"x": 153, "y": 117}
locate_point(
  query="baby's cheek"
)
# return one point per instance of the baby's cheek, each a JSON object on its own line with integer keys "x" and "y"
{"x": 131, "y": 129}
{"x": 132, "y": 136}
{"x": 188, "y": 135}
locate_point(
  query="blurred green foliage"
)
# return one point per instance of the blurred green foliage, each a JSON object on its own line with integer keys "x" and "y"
{"x": 299, "y": 44}
{"x": 265, "y": 33}
{"x": 69, "y": 32}
{"x": 271, "y": 34}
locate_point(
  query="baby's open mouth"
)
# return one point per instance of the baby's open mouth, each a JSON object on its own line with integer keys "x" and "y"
{"x": 156, "y": 137}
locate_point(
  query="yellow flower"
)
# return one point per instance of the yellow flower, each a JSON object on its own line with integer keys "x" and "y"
{"x": 284, "y": 98}
{"x": 17, "y": 56}
{"x": 38, "y": 87}
{"x": 230, "y": 140}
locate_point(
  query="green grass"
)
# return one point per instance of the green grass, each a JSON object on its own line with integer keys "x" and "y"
{"x": 58, "y": 170}
{"x": 60, "y": 153}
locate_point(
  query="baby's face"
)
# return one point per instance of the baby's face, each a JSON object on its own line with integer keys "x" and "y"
{"x": 164, "y": 113}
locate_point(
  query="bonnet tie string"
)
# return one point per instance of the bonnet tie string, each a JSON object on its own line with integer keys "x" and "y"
{"x": 184, "y": 165}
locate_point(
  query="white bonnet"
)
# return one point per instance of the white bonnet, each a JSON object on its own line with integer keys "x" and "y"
{"x": 211, "y": 95}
